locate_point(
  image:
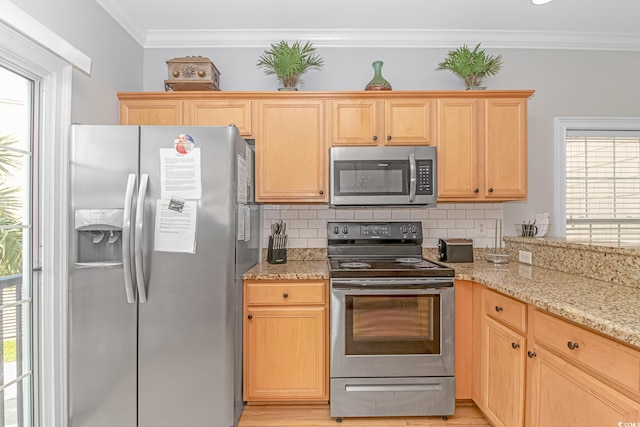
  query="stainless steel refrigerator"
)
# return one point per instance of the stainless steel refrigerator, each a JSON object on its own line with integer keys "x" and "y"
{"x": 163, "y": 225}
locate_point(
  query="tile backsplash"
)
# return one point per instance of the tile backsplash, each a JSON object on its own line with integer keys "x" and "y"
{"x": 307, "y": 224}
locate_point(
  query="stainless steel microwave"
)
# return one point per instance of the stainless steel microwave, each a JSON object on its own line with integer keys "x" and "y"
{"x": 383, "y": 176}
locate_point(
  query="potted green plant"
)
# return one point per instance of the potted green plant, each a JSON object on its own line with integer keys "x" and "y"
{"x": 289, "y": 62}
{"x": 471, "y": 65}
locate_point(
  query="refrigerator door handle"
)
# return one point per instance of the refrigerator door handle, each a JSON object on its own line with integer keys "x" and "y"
{"x": 137, "y": 238}
{"x": 126, "y": 240}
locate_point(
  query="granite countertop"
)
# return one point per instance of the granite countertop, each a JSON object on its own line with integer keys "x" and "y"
{"x": 605, "y": 307}
{"x": 291, "y": 270}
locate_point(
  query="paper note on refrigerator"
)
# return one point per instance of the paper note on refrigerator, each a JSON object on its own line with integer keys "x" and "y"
{"x": 243, "y": 196}
{"x": 180, "y": 174}
{"x": 175, "y": 231}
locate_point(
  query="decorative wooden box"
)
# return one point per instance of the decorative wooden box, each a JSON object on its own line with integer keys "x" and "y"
{"x": 192, "y": 73}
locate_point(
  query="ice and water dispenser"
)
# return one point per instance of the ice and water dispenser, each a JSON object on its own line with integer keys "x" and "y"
{"x": 99, "y": 236}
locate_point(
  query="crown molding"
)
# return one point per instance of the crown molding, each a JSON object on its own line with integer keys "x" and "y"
{"x": 15, "y": 18}
{"x": 392, "y": 38}
{"x": 124, "y": 18}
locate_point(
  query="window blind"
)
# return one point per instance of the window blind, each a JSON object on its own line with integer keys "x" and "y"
{"x": 603, "y": 185}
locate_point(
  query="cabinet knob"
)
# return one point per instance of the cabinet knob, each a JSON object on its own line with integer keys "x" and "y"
{"x": 250, "y": 316}
{"x": 490, "y": 190}
{"x": 515, "y": 345}
{"x": 475, "y": 190}
{"x": 321, "y": 192}
{"x": 572, "y": 345}
{"x": 388, "y": 137}
{"x": 531, "y": 354}
{"x": 375, "y": 138}
{"x": 285, "y": 295}
{"x": 498, "y": 308}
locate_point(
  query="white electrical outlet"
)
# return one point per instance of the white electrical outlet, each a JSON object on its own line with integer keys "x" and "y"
{"x": 524, "y": 256}
{"x": 481, "y": 229}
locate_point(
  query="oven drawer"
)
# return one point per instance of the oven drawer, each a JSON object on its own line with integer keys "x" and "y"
{"x": 599, "y": 354}
{"x": 506, "y": 310}
{"x": 283, "y": 292}
{"x": 408, "y": 396}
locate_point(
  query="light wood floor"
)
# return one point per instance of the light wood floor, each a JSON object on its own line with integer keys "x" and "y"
{"x": 467, "y": 414}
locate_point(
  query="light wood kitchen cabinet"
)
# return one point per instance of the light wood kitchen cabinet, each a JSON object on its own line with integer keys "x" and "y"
{"x": 564, "y": 395}
{"x": 286, "y": 341}
{"x": 536, "y": 369}
{"x": 502, "y": 360}
{"x": 291, "y": 152}
{"x": 207, "y": 112}
{"x": 382, "y": 122}
{"x": 151, "y": 112}
{"x": 596, "y": 379}
{"x": 482, "y": 149}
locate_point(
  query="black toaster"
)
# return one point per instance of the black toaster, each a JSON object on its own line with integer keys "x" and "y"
{"x": 455, "y": 250}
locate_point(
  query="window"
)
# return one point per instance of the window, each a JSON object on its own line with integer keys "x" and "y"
{"x": 600, "y": 174}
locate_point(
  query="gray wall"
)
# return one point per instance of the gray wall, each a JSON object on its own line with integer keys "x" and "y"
{"x": 116, "y": 56}
{"x": 567, "y": 83}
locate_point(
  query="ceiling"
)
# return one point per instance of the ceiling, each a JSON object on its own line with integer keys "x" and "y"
{"x": 561, "y": 24}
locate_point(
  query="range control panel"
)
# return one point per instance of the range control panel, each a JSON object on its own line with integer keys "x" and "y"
{"x": 374, "y": 230}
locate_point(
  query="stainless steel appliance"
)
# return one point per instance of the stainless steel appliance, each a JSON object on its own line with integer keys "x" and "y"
{"x": 383, "y": 176}
{"x": 392, "y": 323}
{"x": 155, "y": 324}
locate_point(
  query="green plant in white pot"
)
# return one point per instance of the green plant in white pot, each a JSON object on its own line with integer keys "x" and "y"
{"x": 472, "y": 65}
{"x": 289, "y": 62}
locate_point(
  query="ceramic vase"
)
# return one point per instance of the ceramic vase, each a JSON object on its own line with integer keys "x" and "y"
{"x": 378, "y": 82}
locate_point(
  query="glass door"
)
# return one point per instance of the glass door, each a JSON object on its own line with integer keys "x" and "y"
{"x": 16, "y": 235}
{"x": 380, "y": 325}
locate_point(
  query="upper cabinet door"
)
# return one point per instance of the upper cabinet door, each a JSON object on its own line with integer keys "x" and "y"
{"x": 291, "y": 152}
{"x": 409, "y": 122}
{"x": 151, "y": 112}
{"x": 207, "y": 112}
{"x": 355, "y": 122}
{"x": 505, "y": 149}
{"x": 458, "y": 141}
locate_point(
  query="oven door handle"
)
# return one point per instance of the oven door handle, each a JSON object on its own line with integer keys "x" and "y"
{"x": 393, "y": 286}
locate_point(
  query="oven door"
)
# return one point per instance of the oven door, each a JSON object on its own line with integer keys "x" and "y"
{"x": 392, "y": 327}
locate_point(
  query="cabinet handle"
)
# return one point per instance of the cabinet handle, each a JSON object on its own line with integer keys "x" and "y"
{"x": 475, "y": 190}
{"x": 285, "y": 295}
{"x": 490, "y": 190}
{"x": 375, "y": 138}
{"x": 531, "y": 354}
{"x": 321, "y": 192}
{"x": 515, "y": 345}
{"x": 250, "y": 316}
{"x": 498, "y": 308}
{"x": 388, "y": 137}
{"x": 572, "y": 345}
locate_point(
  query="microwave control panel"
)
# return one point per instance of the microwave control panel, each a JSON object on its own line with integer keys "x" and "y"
{"x": 425, "y": 177}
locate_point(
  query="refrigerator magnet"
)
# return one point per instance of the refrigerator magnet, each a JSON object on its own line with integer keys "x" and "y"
{"x": 184, "y": 144}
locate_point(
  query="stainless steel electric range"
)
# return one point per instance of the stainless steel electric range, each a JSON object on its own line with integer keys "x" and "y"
{"x": 392, "y": 323}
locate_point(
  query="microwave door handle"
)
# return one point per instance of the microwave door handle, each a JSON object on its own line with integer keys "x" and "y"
{"x": 412, "y": 178}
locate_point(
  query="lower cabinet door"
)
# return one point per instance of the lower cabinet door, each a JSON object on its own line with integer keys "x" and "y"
{"x": 562, "y": 395}
{"x": 285, "y": 353}
{"x": 504, "y": 374}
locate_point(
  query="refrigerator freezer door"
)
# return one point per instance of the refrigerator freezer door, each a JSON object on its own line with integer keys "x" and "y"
{"x": 186, "y": 328}
{"x": 102, "y": 324}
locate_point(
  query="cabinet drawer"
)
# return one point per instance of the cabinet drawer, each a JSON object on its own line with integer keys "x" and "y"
{"x": 510, "y": 312}
{"x": 282, "y": 292}
{"x": 603, "y": 356}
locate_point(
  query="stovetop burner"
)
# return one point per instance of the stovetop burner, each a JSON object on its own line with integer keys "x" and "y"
{"x": 409, "y": 260}
{"x": 354, "y": 264}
